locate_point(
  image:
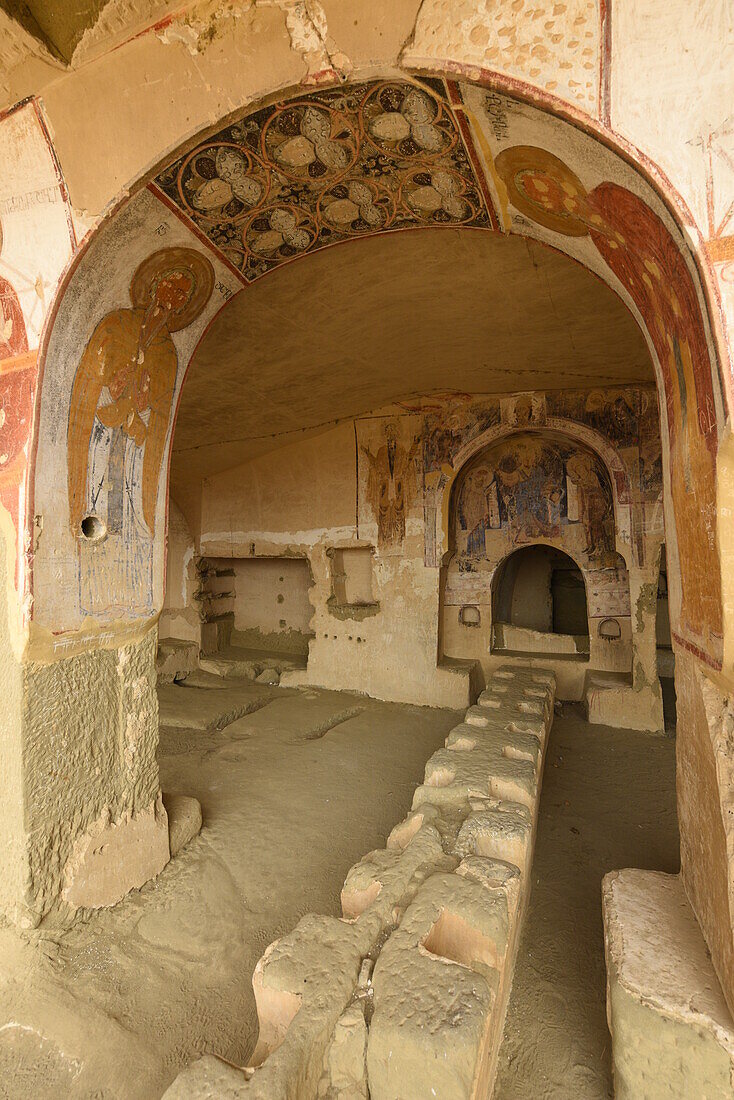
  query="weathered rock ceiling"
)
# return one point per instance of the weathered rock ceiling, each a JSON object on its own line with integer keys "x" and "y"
{"x": 60, "y": 26}
{"x": 349, "y": 329}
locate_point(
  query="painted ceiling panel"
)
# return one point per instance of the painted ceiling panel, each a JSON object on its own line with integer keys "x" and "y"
{"x": 332, "y": 165}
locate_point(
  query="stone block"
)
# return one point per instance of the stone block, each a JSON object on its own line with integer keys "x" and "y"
{"x": 112, "y": 858}
{"x": 609, "y": 703}
{"x": 496, "y": 765}
{"x": 672, "y": 1032}
{"x": 391, "y": 874}
{"x": 175, "y": 659}
{"x": 345, "y": 1064}
{"x": 501, "y": 831}
{"x": 437, "y": 976}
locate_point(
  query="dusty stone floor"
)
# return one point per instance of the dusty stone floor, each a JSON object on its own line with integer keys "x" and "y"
{"x": 295, "y": 786}
{"x": 293, "y": 793}
{"x": 608, "y": 801}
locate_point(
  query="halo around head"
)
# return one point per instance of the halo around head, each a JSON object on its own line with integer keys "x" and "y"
{"x": 168, "y": 261}
{"x": 543, "y": 188}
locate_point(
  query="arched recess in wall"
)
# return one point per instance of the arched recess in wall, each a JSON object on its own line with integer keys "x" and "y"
{"x": 320, "y": 168}
{"x": 540, "y": 590}
{"x": 534, "y": 487}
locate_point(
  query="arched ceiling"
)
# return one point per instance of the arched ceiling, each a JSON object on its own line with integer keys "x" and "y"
{"x": 349, "y": 329}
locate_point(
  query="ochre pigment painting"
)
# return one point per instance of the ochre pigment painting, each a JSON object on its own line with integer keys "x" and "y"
{"x": 392, "y": 481}
{"x": 640, "y": 251}
{"x": 18, "y": 378}
{"x": 531, "y": 487}
{"x": 13, "y": 336}
{"x": 121, "y": 405}
{"x": 448, "y": 427}
{"x": 331, "y": 166}
{"x": 18, "y": 375}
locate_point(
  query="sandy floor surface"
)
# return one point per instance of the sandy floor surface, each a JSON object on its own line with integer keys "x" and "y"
{"x": 608, "y": 802}
{"x": 295, "y": 787}
{"x": 293, "y": 793}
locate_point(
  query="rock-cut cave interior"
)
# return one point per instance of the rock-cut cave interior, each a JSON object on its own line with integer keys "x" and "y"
{"x": 365, "y": 499}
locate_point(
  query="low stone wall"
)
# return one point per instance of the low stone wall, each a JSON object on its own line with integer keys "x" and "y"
{"x": 405, "y": 996}
{"x": 672, "y": 1031}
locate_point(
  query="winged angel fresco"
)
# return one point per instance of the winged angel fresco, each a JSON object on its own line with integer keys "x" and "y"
{"x": 121, "y": 405}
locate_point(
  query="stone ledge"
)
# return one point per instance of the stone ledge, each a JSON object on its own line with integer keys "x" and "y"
{"x": 672, "y": 1032}
{"x": 175, "y": 658}
{"x": 114, "y": 857}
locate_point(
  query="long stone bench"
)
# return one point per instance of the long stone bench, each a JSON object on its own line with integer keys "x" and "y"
{"x": 405, "y": 996}
{"x": 672, "y": 1032}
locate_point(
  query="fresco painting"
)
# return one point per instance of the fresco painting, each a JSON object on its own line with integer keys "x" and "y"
{"x": 35, "y": 244}
{"x": 392, "y": 482}
{"x": 640, "y": 251}
{"x": 523, "y": 410}
{"x": 612, "y": 412}
{"x": 121, "y": 405}
{"x": 533, "y": 487}
{"x": 449, "y": 427}
{"x": 18, "y": 378}
{"x": 332, "y": 165}
{"x": 13, "y": 336}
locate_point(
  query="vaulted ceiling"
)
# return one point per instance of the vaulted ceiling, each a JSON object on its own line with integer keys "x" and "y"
{"x": 351, "y": 328}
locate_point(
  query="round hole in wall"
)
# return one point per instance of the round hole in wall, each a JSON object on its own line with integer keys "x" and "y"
{"x": 93, "y": 528}
{"x": 609, "y": 628}
{"x": 281, "y": 597}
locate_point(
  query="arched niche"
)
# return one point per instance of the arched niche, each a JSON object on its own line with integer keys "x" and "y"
{"x": 535, "y": 489}
{"x": 539, "y": 590}
{"x": 539, "y": 170}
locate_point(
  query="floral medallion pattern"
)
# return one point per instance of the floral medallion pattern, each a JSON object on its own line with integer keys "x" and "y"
{"x": 332, "y": 165}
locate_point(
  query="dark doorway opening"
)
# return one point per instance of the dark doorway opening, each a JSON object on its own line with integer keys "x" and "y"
{"x": 539, "y": 590}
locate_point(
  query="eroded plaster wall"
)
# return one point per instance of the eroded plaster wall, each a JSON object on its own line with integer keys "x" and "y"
{"x": 271, "y": 596}
{"x": 12, "y": 824}
{"x": 303, "y": 500}
{"x": 89, "y": 731}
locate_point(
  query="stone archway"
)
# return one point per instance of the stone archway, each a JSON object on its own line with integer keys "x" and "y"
{"x": 564, "y": 188}
{"x": 533, "y": 486}
{"x": 530, "y": 597}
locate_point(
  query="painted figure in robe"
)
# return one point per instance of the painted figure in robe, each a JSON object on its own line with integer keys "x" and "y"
{"x": 391, "y": 481}
{"x": 13, "y": 336}
{"x": 119, "y": 418}
{"x": 641, "y": 252}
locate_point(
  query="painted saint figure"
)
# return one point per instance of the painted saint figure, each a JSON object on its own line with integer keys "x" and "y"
{"x": 391, "y": 480}
{"x": 595, "y": 505}
{"x": 119, "y": 418}
{"x": 13, "y": 336}
{"x": 639, "y": 249}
